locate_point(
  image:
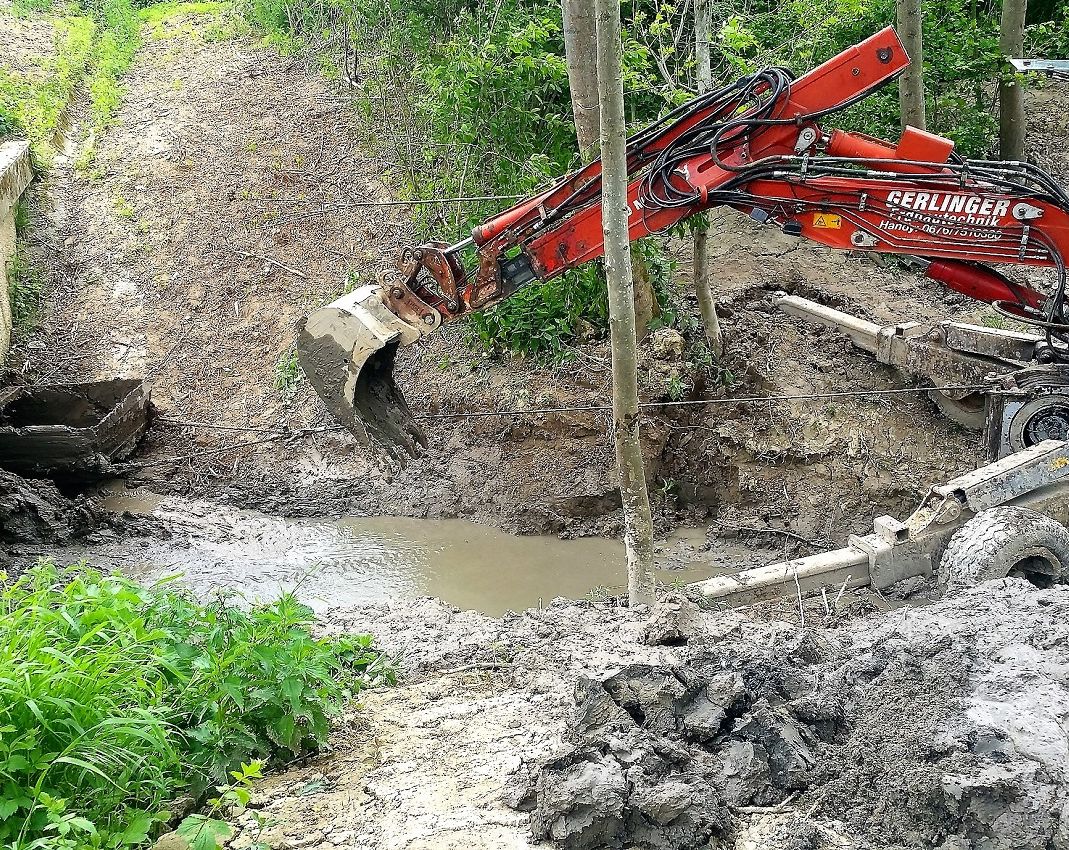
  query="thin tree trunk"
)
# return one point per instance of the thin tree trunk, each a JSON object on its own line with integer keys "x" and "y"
{"x": 580, "y": 41}
{"x": 580, "y": 48}
{"x": 638, "y": 522}
{"x": 911, "y": 83}
{"x": 1012, "y": 124}
{"x": 703, "y": 282}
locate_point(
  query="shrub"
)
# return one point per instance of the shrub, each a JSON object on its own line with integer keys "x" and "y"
{"x": 115, "y": 699}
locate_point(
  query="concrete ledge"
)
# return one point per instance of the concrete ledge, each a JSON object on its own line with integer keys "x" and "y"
{"x": 16, "y": 173}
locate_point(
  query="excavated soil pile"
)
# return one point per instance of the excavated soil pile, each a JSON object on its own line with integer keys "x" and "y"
{"x": 592, "y": 726}
{"x": 930, "y": 728}
{"x": 33, "y": 511}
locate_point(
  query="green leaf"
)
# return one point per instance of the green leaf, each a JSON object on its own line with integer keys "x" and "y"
{"x": 137, "y": 829}
{"x": 203, "y": 833}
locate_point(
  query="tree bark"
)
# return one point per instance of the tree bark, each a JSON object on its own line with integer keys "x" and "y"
{"x": 703, "y": 283}
{"x": 580, "y": 48}
{"x": 580, "y": 44}
{"x": 911, "y": 82}
{"x": 1012, "y": 122}
{"x": 638, "y": 522}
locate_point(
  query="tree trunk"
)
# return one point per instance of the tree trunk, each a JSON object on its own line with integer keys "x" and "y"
{"x": 580, "y": 44}
{"x": 638, "y": 522}
{"x": 911, "y": 83}
{"x": 1011, "y": 117}
{"x": 703, "y": 283}
{"x": 580, "y": 48}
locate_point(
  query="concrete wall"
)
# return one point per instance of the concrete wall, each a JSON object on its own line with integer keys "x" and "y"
{"x": 16, "y": 173}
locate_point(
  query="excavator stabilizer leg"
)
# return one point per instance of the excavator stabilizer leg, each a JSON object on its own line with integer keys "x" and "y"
{"x": 347, "y": 350}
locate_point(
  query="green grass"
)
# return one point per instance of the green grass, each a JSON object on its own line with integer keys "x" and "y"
{"x": 287, "y": 374}
{"x": 204, "y": 21}
{"x": 117, "y": 699}
{"x": 32, "y": 105}
{"x": 24, "y": 293}
{"x": 114, "y": 49}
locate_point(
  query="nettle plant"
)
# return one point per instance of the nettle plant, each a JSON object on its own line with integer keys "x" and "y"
{"x": 115, "y": 699}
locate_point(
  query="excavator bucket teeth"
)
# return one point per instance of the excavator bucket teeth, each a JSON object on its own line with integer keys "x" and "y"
{"x": 347, "y": 350}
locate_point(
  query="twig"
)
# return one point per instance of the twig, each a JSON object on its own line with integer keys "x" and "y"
{"x": 272, "y": 262}
{"x": 482, "y": 665}
{"x": 842, "y": 590}
{"x": 798, "y": 590}
{"x": 777, "y": 809}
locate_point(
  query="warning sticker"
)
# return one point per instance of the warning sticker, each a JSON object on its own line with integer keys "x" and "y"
{"x": 827, "y": 221}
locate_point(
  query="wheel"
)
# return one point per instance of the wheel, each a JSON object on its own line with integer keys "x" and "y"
{"x": 1045, "y": 417}
{"x": 1006, "y": 541}
{"x": 968, "y": 412}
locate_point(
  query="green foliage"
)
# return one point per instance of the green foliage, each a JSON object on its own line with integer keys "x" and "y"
{"x": 113, "y": 52}
{"x": 115, "y": 699}
{"x": 208, "y": 831}
{"x": 24, "y": 291}
{"x": 287, "y": 374}
{"x": 31, "y": 105}
{"x": 541, "y": 318}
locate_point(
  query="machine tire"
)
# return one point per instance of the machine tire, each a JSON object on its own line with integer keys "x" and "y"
{"x": 969, "y": 412}
{"x": 1006, "y": 541}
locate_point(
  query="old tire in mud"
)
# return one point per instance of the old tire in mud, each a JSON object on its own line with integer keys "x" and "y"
{"x": 1006, "y": 541}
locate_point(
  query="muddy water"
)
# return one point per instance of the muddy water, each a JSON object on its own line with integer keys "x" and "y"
{"x": 350, "y": 561}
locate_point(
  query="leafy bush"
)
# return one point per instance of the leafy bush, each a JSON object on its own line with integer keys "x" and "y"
{"x": 115, "y": 699}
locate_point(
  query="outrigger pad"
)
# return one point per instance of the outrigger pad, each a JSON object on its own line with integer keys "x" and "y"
{"x": 347, "y": 352}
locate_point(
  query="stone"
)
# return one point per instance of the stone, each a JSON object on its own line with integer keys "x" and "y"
{"x": 674, "y": 621}
{"x": 580, "y": 804}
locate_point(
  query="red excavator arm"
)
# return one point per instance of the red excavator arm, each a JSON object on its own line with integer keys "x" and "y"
{"x": 756, "y": 145}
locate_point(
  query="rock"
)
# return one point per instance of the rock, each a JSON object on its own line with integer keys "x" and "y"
{"x": 778, "y": 735}
{"x": 744, "y": 774}
{"x": 703, "y": 714}
{"x": 648, "y": 694}
{"x": 667, "y": 344}
{"x": 664, "y": 802}
{"x": 170, "y": 841}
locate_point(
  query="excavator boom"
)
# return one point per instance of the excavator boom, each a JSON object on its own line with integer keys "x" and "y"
{"x": 755, "y": 145}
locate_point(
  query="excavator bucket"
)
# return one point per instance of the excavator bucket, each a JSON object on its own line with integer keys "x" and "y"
{"x": 347, "y": 350}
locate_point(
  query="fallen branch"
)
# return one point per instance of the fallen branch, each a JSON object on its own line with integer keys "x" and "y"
{"x": 271, "y": 261}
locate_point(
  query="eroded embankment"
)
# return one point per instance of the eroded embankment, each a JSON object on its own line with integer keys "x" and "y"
{"x": 942, "y": 726}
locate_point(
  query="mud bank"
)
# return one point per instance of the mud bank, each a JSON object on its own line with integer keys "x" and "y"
{"x": 937, "y": 727}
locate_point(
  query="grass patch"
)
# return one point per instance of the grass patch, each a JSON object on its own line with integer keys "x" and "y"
{"x": 24, "y": 289}
{"x": 32, "y": 105}
{"x": 117, "y": 699}
{"x": 114, "y": 49}
{"x": 287, "y": 374}
{"x": 205, "y": 21}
